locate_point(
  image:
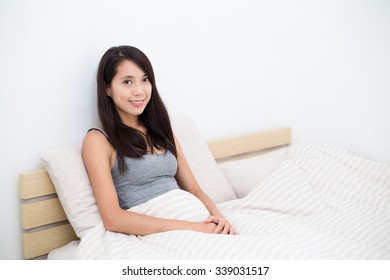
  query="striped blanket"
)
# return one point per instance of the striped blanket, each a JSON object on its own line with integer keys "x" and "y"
{"x": 322, "y": 203}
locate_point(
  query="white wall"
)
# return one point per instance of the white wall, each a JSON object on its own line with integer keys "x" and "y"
{"x": 320, "y": 67}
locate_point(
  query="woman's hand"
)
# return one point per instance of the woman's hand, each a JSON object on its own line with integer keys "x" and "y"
{"x": 222, "y": 225}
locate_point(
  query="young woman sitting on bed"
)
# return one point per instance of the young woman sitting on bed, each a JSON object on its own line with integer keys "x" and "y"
{"x": 136, "y": 157}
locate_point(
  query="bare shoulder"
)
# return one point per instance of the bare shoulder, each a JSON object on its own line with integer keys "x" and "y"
{"x": 96, "y": 143}
{"x": 95, "y": 136}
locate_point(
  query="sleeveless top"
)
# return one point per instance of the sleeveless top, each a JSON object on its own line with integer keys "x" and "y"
{"x": 144, "y": 178}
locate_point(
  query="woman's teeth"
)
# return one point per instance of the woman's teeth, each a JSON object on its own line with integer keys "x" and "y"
{"x": 137, "y": 102}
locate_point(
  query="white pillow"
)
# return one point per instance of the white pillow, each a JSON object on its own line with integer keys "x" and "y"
{"x": 69, "y": 176}
{"x": 201, "y": 161}
{"x": 246, "y": 174}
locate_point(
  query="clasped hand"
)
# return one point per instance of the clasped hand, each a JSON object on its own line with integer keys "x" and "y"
{"x": 219, "y": 225}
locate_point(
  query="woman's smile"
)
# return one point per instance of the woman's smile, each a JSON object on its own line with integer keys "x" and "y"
{"x": 137, "y": 103}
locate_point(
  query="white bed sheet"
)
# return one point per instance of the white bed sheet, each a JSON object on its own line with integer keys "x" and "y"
{"x": 322, "y": 203}
{"x": 67, "y": 252}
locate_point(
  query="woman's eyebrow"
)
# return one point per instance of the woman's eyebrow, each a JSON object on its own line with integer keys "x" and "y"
{"x": 132, "y": 77}
{"x": 128, "y": 77}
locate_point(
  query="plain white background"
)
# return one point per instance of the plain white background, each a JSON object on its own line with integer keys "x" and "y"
{"x": 319, "y": 67}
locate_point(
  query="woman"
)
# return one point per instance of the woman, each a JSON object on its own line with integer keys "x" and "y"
{"x": 136, "y": 135}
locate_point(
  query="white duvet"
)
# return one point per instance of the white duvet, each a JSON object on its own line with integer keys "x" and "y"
{"x": 322, "y": 203}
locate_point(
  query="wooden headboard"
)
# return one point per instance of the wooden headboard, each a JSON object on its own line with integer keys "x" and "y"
{"x": 45, "y": 225}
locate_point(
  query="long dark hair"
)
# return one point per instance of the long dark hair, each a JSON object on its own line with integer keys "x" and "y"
{"x": 128, "y": 141}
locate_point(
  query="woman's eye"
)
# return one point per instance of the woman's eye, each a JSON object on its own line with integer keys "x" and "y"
{"x": 146, "y": 79}
{"x": 127, "y": 82}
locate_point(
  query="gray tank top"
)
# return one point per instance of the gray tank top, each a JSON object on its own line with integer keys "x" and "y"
{"x": 145, "y": 178}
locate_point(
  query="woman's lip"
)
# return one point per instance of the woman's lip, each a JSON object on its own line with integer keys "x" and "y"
{"x": 137, "y": 103}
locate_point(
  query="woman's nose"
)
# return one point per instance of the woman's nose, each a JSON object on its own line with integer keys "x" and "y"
{"x": 138, "y": 90}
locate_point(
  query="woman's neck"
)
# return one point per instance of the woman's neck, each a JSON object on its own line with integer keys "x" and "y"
{"x": 134, "y": 123}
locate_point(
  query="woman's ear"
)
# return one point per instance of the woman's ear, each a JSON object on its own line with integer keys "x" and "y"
{"x": 108, "y": 90}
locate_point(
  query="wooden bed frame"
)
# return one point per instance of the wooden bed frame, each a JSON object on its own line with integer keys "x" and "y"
{"x": 45, "y": 225}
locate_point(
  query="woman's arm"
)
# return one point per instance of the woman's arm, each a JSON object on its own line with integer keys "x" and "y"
{"x": 187, "y": 181}
{"x": 98, "y": 156}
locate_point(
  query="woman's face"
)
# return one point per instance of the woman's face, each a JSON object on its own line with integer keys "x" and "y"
{"x": 130, "y": 90}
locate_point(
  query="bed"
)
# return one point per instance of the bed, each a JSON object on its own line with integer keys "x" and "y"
{"x": 286, "y": 202}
